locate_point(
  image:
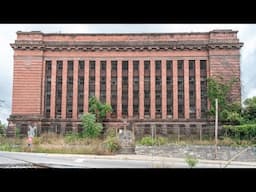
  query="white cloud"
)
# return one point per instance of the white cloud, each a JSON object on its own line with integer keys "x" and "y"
{"x": 251, "y": 93}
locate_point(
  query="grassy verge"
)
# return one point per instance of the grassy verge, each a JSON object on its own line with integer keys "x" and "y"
{"x": 71, "y": 144}
{"x": 222, "y": 141}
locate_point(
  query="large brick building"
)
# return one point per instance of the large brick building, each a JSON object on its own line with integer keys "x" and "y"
{"x": 148, "y": 78}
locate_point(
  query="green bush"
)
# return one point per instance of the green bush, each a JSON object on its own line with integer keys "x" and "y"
{"x": 92, "y": 129}
{"x": 191, "y": 161}
{"x": 156, "y": 141}
{"x": 111, "y": 144}
{"x": 147, "y": 141}
{"x": 247, "y": 131}
{"x": 2, "y": 129}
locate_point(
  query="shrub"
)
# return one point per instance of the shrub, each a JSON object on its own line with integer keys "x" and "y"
{"x": 147, "y": 141}
{"x": 191, "y": 161}
{"x": 92, "y": 129}
{"x": 247, "y": 131}
{"x": 156, "y": 141}
{"x": 111, "y": 144}
{"x": 2, "y": 129}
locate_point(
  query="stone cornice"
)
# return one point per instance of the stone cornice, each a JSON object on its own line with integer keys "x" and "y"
{"x": 125, "y": 45}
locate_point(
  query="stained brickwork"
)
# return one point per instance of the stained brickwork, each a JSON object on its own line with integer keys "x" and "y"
{"x": 219, "y": 49}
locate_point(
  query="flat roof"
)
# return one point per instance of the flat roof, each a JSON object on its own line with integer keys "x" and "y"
{"x": 120, "y": 34}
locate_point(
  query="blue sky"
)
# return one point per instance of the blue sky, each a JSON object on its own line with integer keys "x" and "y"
{"x": 246, "y": 34}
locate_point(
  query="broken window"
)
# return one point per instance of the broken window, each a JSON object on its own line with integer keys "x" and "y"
{"x": 204, "y": 103}
{"x": 192, "y": 89}
{"x": 135, "y": 68}
{"x": 124, "y": 88}
{"x": 181, "y": 96}
{"x": 80, "y": 96}
{"x": 203, "y": 77}
{"x": 169, "y": 87}
{"x": 146, "y": 88}
{"x": 158, "y": 89}
{"x": 180, "y": 67}
{"x": 58, "y": 97}
{"x": 47, "y": 102}
{"x": 69, "y": 98}
{"x": 136, "y": 89}
{"x": 113, "y": 88}
{"x": 91, "y": 79}
{"x": 103, "y": 81}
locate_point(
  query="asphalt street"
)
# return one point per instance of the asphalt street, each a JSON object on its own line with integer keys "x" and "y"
{"x": 45, "y": 160}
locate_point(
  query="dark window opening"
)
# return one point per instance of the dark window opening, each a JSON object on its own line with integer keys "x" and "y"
{"x": 103, "y": 81}
{"x": 47, "y": 102}
{"x": 146, "y": 88}
{"x": 181, "y": 97}
{"x": 192, "y": 89}
{"x": 180, "y": 68}
{"x": 169, "y": 87}
{"x": 114, "y": 88}
{"x": 58, "y": 98}
{"x": 124, "y": 88}
{"x": 81, "y": 64}
{"x": 203, "y": 74}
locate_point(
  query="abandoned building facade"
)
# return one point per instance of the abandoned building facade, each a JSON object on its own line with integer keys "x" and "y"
{"x": 148, "y": 78}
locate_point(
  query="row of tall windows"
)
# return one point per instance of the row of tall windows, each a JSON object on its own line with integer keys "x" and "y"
{"x": 124, "y": 79}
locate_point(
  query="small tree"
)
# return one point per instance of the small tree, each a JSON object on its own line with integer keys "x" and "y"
{"x": 219, "y": 89}
{"x": 2, "y": 128}
{"x": 191, "y": 161}
{"x": 99, "y": 109}
{"x": 92, "y": 129}
{"x": 249, "y": 111}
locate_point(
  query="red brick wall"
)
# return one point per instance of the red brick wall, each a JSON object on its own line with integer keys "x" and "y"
{"x": 226, "y": 63}
{"x": 27, "y": 79}
{"x": 28, "y": 63}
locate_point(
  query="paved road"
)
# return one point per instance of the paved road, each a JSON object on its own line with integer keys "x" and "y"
{"x": 14, "y": 159}
{"x": 21, "y": 160}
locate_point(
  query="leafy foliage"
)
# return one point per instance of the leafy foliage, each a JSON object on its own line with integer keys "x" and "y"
{"x": 247, "y": 131}
{"x": 219, "y": 89}
{"x": 92, "y": 129}
{"x": 99, "y": 109}
{"x": 191, "y": 161}
{"x": 249, "y": 111}
{"x": 155, "y": 141}
{"x": 2, "y": 128}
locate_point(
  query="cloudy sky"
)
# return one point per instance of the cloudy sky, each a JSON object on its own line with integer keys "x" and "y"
{"x": 246, "y": 34}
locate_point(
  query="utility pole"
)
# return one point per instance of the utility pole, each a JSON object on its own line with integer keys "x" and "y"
{"x": 216, "y": 126}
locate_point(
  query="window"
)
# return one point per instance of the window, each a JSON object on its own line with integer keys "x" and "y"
{"x": 81, "y": 64}
{"x": 135, "y": 65}
{"x": 70, "y": 65}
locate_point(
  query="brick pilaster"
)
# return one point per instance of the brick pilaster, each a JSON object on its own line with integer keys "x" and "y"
{"x": 53, "y": 89}
{"x": 175, "y": 90}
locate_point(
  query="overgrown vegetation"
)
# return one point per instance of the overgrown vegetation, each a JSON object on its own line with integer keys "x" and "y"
{"x": 242, "y": 132}
{"x": 249, "y": 110}
{"x": 92, "y": 129}
{"x": 111, "y": 144}
{"x": 2, "y": 128}
{"x": 99, "y": 109}
{"x": 229, "y": 112}
{"x": 92, "y": 121}
{"x": 155, "y": 141}
{"x": 191, "y": 161}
